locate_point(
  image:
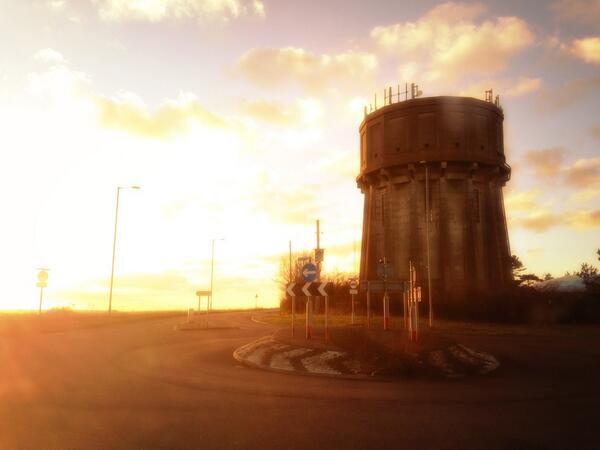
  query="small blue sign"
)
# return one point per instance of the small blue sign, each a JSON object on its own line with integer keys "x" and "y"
{"x": 309, "y": 272}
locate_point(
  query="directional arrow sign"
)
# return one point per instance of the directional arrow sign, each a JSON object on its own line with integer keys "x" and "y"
{"x": 306, "y": 290}
{"x": 290, "y": 289}
{"x": 321, "y": 289}
{"x": 309, "y": 272}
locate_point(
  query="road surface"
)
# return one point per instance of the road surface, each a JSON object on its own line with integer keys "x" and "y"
{"x": 143, "y": 385}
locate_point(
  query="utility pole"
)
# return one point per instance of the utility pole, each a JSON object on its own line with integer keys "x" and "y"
{"x": 293, "y": 297}
{"x": 212, "y": 271}
{"x": 112, "y": 270}
{"x": 318, "y": 248}
{"x": 427, "y": 219}
{"x": 318, "y": 262}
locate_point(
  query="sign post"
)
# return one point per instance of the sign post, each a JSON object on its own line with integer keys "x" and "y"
{"x": 383, "y": 271}
{"x": 353, "y": 292}
{"x": 309, "y": 273}
{"x": 368, "y": 306}
{"x": 321, "y": 290}
{"x": 413, "y": 297}
{"x": 308, "y": 312}
{"x": 292, "y": 294}
{"x": 311, "y": 289}
{"x": 42, "y": 277}
{"x": 208, "y": 295}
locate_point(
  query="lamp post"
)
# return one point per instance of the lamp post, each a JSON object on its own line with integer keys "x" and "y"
{"x": 212, "y": 269}
{"x": 112, "y": 270}
{"x": 427, "y": 217}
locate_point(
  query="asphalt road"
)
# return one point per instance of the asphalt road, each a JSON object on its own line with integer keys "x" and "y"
{"x": 145, "y": 386}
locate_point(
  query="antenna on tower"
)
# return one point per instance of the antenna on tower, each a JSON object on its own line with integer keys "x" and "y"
{"x": 489, "y": 96}
{"x": 415, "y": 91}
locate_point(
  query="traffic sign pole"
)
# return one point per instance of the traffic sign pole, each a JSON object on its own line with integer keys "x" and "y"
{"x": 42, "y": 277}
{"x": 368, "y": 306}
{"x": 327, "y": 319}
{"x": 308, "y": 317}
{"x": 386, "y": 312}
{"x": 41, "y": 295}
{"x": 353, "y": 291}
{"x": 293, "y": 313}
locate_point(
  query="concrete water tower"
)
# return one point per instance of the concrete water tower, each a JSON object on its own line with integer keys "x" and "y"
{"x": 451, "y": 147}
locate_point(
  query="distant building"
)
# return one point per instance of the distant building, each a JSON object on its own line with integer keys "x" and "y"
{"x": 458, "y": 143}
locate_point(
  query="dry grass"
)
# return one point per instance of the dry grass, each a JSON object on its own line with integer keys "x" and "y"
{"x": 57, "y": 320}
{"x": 442, "y": 325}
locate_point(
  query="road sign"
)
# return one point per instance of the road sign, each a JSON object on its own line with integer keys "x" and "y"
{"x": 380, "y": 286}
{"x": 323, "y": 288}
{"x": 290, "y": 290}
{"x": 319, "y": 254}
{"x": 203, "y": 293}
{"x": 353, "y": 284}
{"x": 305, "y": 289}
{"x": 353, "y": 291}
{"x": 309, "y": 272}
{"x": 310, "y": 289}
{"x": 384, "y": 270}
{"x": 42, "y": 277}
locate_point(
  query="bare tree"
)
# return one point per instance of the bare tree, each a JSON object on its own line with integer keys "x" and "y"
{"x": 285, "y": 276}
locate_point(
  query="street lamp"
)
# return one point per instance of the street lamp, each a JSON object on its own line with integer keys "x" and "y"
{"x": 427, "y": 214}
{"x": 212, "y": 269}
{"x": 112, "y": 271}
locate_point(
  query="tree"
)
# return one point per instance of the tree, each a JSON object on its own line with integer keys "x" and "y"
{"x": 548, "y": 277}
{"x": 590, "y": 277}
{"x": 518, "y": 269}
{"x": 284, "y": 277}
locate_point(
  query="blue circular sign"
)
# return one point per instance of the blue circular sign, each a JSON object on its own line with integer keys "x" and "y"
{"x": 309, "y": 272}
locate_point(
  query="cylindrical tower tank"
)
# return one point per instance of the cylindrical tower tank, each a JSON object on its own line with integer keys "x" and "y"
{"x": 458, "y": 143}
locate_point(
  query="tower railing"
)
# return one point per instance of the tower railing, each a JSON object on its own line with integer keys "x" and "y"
{"x": 389, "y": 97}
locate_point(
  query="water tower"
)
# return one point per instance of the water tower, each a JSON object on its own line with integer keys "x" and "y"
{"x": 450, "y": 149}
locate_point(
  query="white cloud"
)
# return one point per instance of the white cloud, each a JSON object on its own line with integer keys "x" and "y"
{"x": 127, "y": 112}
{"x": 49, "y": 56}
{"x": 276, "y": 66}
{"x": 159, "y": 10}
{"x": 447, "y": 42}
{"x": 301, "y": 112}
{"x": 259, "y": 8}
{"x": 587, "y": 49}
{"x": 55, "y": 4}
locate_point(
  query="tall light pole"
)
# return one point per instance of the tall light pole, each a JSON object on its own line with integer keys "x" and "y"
{"x": 212, "y": 269}
{"x": 112, "y": 270}
{"x": 427, "y": 218}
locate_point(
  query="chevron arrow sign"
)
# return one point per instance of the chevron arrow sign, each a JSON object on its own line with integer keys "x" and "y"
{"x": 310, "y": 289}
{"x": 290, "y": 290}
{"x": 305, "y": 289}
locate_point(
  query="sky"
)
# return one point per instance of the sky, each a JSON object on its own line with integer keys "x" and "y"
{"x": 239, "y": 120}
